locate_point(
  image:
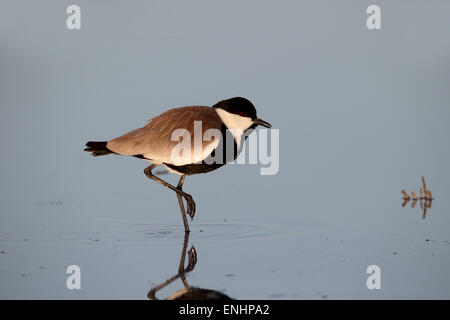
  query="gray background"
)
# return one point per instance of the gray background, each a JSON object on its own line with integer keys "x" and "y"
{"x": 362, "y": 114}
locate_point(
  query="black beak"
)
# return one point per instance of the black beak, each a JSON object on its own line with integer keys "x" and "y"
{"x": 262, "y": 123}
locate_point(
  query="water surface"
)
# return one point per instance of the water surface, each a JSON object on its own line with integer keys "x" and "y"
{"x": 362, "y": 115}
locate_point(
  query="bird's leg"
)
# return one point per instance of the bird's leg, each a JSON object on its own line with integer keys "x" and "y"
{"x": 189, "y": 201}
{"x": 180, "y": 202}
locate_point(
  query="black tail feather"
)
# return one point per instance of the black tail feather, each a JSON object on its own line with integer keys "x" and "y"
{"x": 98, "y": 148}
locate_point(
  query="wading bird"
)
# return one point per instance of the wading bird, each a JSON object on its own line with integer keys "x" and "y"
{"x": 231, "y": 118}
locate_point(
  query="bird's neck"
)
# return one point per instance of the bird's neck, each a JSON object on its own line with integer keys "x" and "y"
{"x": 236, "y": 124}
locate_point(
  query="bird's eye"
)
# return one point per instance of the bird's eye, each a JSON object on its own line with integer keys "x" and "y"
{"x": 242, "y": 114}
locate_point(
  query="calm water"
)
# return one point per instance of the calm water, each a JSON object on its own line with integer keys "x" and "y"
{"x": 362, "y": 115}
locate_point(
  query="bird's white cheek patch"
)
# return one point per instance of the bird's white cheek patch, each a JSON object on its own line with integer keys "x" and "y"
{"x": 235, "y": 123}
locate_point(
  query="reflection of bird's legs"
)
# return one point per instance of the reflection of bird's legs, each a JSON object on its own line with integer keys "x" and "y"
{"x": 152, "y": 292}
{"x": 189, "y": 201}
{"x": 183, "y": 253}
{"x": 192, "y": 260}
{"x": 192, "y": 257}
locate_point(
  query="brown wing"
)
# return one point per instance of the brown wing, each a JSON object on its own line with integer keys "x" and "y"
{"x": 154, "y": 141}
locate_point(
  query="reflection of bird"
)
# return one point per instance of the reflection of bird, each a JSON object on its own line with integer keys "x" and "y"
{"x": 188, "y": 292}
{"x": 193, "y": 293}
{"x": 154, "y": 142}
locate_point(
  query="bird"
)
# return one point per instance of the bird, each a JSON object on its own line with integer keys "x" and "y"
{"x": 228, "y": 121}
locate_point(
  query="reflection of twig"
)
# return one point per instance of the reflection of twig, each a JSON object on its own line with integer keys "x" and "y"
{"x": 424, "y": 208}
{"x": 413, "y": 204}
{"x": 405, "y": 202}
{"x": 425, "y": 198}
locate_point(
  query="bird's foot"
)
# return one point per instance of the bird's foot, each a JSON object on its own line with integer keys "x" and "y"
{"x": 190, "y": 205}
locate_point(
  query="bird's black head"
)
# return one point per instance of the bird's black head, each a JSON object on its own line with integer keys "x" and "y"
{"x": 239, "y": 106}
{"x": 244, "y": 109}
